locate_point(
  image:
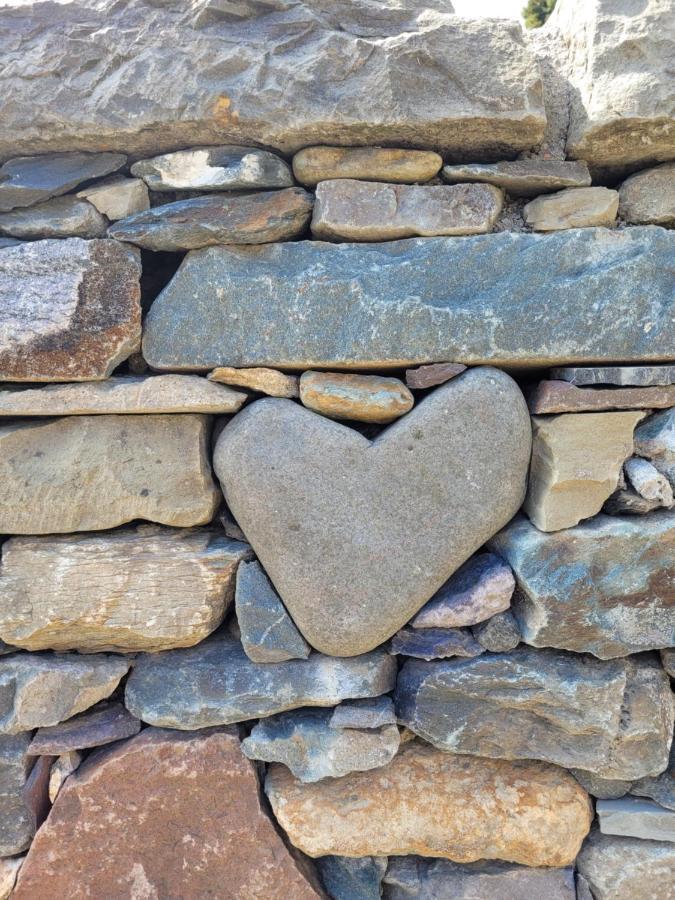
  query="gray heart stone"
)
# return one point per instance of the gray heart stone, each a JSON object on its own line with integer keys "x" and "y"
{"x": 356, "y": 535}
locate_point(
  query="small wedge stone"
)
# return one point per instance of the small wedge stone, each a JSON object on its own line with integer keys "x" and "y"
{"x": 435, "y": 643}
{"x": 118, "y": 197}
{"x": 57, "y": 218}
{"x": 648, "y": 481}
{"x": 648, "y": 197}
{"x": 264, "y": 381}
{"x": 224, "y": 168}
{"x": 9, "y": 870}
{"x": 433, "y": 374}
{"x": 371, "y": 712}
{"x": 314, "y": 164}
{"x": 498, "y": 634}
{"x": 523, "y": 177}
{"x": 573, "y": 208}
{"x": 361, "y": 398}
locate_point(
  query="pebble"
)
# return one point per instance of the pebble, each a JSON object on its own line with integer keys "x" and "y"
{"x": 648, "y": 481}
{"x": 573, "y": 208}
{"x": 264, "y": 381}
{"x": 226, "y": 168}
{"x": 314, "y": 164}
{"x": 360, "y": 398}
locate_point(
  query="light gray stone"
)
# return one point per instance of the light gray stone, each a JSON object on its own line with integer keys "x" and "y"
{"x": 583, "y": 889}
{"x": 117, "y": 197}
{"x": 648, "y": 481}
{"x": 44, "y": 689}
{"x": 622, "y": 868}
{"x": 392, "y": 304}
{"x": 523, "y": 177}
{"x": 305, "y": 742}
{"x": 16, "y": 824}
{"x": 395, "y": 72}
{"x": 498, "y": 634}
{"x": 655, "y": 439}
{"x": 572, "y": 208}
{"x": 631, "y": 817}
{"x": 604, "y": 587}
{"x": 62, "y": 768}
{"x": 352, "y": 879}
{"x": 371, "y": 712}
{"x": 267, "y": 631}
{"x": 648, "y": 198}
{"x": 332, "y": 514}
{"x": 623, "y": 376}
{"x": 225, "y": 168}
{"x": 435, "y": 643}
{"x": 614, "y": 718}
{"x": 168, "y": 689}
{"x": 56, "y": 218}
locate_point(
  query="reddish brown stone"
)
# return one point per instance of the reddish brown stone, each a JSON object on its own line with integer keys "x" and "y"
{"x": 431, "y": 375}
{"x": 562, "y": 397}
{"x": 101, "y": 725}
{"x": 165, "y": 814}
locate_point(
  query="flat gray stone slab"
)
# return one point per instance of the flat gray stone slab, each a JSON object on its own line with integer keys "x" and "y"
{"x": 523, "y": 177}
{"x": 631, "y": 817}
{"x": 556, "y": 299}
{"x": 57, "y": 218}
{"x": 103, "y": 724}
{"x": 624, "y": 376}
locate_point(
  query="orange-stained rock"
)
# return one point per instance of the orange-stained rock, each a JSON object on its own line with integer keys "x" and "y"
{"x": 433, "y": 803}
{"x": 166, "y": 814}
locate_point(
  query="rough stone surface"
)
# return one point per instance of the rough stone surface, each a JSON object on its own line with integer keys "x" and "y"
{"x": 614, "y": 718}
{"x": 306, "y": 742}
{"x": 648, "y": 198}
{"x": 352, "y": 879}
{"x": 62, "y": 768}
{"x": 122, "y": 394}
{"x": 628, "y": 502}
{"x": 481, "y": 588}
{"x": 523, "y": 177}
{"x": 9, "y": 869}
{"x": 648, "y": 481}
{"x": 267, "y": 631}
{"x": 411, "y": 877}
{"x": 57, "y": 218}
{"x": 102, "y": 471}
{"x": 575, "y": 467}
{"x": 624, "y": 376}
{"x": 314, "y": 164}
{"x": 275, "y": 75}
{"x": 619, "y": 868}
{"x": 604, "y": 788}
{"x": 31, "y": 179}
{"x": 655, "y": 439}
{"x": 604, "y": 587}
{"x": 117, "y": 197}
{"x": 461, "y": 808}
{"x": 393, "y": 304}
{"x": 435, "y": 643}
{"x": 265, "y": 381}
{"x": 16, "y": 824}
{"x": 224, "y": 168}
{"x": 187, "y": 821}
{"x": 103, "y": 724}
{"x": 351, "y": 210}
{"x": 168, "y": 689}
{"x": 217, "y": 219}
{"x": 562, "y": 397}
{"x": 631, "y": 817}
{"x": 334, "y": 515}
{"x": 662, "y": 787}
{"x": 367, "y": 713}
{"x": 44, "y": 689}
{"x": 361, "y": 398}
{"x": 498, "y": 634}
{"x": 431, "y": 375}
{"x": 572, "y": 208}
{"x": 69, "y": 310}
{"x": 36, "y": 790}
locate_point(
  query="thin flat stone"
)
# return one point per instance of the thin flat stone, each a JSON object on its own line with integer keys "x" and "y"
{"x": 352, "y": 879}
{"x": 631, "y": 817}
{"x": 123, "y": 395}
{"x": 402, "y": 309}
{"x": 217, "y": 219}
{"x": 371, "y": 712}
{"x": 623, "y": 376}
{"x": 523, "y": 177}
{"x": 17, "y": 826}
{"x": 435, "y": 643}
{"x": 431, "y": 375}
{"x": 117, "y": 197}
{"x": 264, "y": 381}
{"x": 572, "y": 208}
{"x": 350, "y": 210}
{"x": 62, "y": 768}
{"x": 26, "y": 180}
{"x": 314, "y": 164}
{"x": 481, "y": 588}
{"x": 563, "y": 397}
{"x": 226, "y": 168}
{"x": 361, "y": 398}
{"x": 648, "y": 197}
{"x": 622, "y": 868}
{"x": 648, "y": 481}
{"x": 167, "y": 689}
{"x": 498, "y": 634}
{"x": 57, "y": 218}
{"x": 103, "y": 724}
{"x": 267, "y": 632}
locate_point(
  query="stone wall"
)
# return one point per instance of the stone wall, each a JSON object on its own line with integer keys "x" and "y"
{"x": 337, "y": 451}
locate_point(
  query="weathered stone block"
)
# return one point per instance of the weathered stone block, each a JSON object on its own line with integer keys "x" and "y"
{"x": 16, "y": 823}
{"x": 100, "y": 725}
{"x": 61, "y": 217}
{"x": 562, "y": 397}
{"x": 314, "y": 164}
{"x": 631, "y": 817}
{"x": 618, "y": 868}
{"x": 625, "y": 376}
{"x": 648, "y": 198}
{"x": 572, "y": 208}
{"x": 523, "y": 177}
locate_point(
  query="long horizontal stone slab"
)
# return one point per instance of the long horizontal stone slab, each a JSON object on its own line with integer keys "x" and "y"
{"x": 505, "y": 299}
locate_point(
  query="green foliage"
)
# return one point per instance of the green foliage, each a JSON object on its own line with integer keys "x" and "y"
{"x": 536, "y": 12}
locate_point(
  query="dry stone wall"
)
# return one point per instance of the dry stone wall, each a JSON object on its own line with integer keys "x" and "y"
{"x": 337, "y": 452}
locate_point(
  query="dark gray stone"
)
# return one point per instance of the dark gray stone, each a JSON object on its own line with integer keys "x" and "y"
{"x": 614, "y": 718}
{"x": 435, "y": 643}
{"x": 58, "y": 218}
{"x": 16, "y": 823}
{"x": 215, "y": 683}
{"x": 633, "y": 817}
{"x": 627, "y": 502}
{"x": 662, "y": 787}
{"x": 101, "y": 725}
{"x": 371, "y": 712}
{"x": 668, "y": 660}
{"x": 523, "y": 177}
{"x": 624, "y": 376}
{"x": 498, "y": 634}
{"x": 551, "y": 299}
{"x": 602, "y": 788}
{"x": 268, "y": 634}
{"x": 352, "y": 879}
{"x": 224, "y": 168}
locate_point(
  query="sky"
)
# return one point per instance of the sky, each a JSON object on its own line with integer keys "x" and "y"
{"x": 497, "y": 9}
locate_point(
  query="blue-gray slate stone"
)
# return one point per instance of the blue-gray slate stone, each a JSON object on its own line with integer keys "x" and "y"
{"x": 435, "y": 643}
{"x": 501, "y": 298}
{"x": 606, "y": 586}
{"x": 352, "y": 879}
{"x": 371, "y": 712}
{"x": 635, "y": 817}
{"x": 60, "y": 217}
{"x": 498, "y": 634}
{"x": 17, "y": 826}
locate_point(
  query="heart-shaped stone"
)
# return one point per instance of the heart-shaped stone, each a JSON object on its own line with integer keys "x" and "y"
{"x": 356, "y": 535}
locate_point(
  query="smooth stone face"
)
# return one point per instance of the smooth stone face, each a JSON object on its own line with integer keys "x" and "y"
{"x": 118, "y": 197}
{"x": 350, "y": 210}
{"x": 62, "y": 768}
{"x": 122, "y": 394}
{"x": 613, "y": 718}
{"x": 30, "y": 179}
{"x": 314, "y": 164}
{"x": 523, "y": 177}
{"x": 625, "y": 376}
{"x": 361, "y": 398}
{"x": 265, "y": 381}
{"x": 431, "y": 375}
{"x": 37, "y": 690}
{"x": 102, "y": 471}
{"x": 435, "y": 643}
{"x": 573, "y": 208}
{"x": 146, "y": 588}
{"x": 604, "y": 587}
{"x": 57, "y": 218}
{"x": 224, "y": 168}
{"x": 312, "y": 749}
{"x": 411, "y": 877}
{"x": 218, "y": 219}
{"x": 576, "y": 461}
{"x": 498, "y": 634}
{"x": 267, "y": 631}
{"x": 9, "y": 869}
{"x": 368, "y": 713}
{"x": 648, "y": 481}
{"x": 352, "y": 879}
{"x": 334, "y": 515}
{"x": 371, "y": 306}
{"x": 648, "y": 198}
{"x": 200, "y": 826}
{"x": 69, "y": 310}
{"x": 631, "y": 817}
{"x": 168, "y": 689}
{"x": 603, "y": 788}
{"x": 618, "y": 868}
{"x": 101, "y": 725}
{"x": 561, "y": 397}
{"x": 16, "y": 824}
{"x": 481, "y": 588}
{"x": 660, "y": 788}
{"x": 461, "y": 808}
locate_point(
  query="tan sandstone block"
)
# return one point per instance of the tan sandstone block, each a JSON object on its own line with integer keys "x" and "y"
{"x": 264, "y": 381}
{"x": 315, "y": 164}
{"x": 573, "y": 208}
{"x": 361, "y": 398}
